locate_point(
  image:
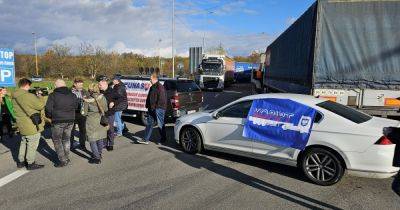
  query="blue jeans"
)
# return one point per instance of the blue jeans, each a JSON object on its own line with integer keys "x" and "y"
{"x": 118, "y": 121}
{"x": 159, "y": 115}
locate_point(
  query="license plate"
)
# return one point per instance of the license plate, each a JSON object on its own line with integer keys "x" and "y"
{"x": 191, "y": 111}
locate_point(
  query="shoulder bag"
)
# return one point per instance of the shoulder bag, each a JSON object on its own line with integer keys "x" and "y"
{"x": 103, "y": 118}
{"x": 36, "y": 118}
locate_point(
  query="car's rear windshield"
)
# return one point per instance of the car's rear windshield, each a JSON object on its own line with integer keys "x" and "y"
{"x": 186, "y": 86}
{"x": 345, "y": 111}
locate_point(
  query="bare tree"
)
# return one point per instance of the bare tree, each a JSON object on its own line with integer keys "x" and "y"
{"x": 94, "y": 58}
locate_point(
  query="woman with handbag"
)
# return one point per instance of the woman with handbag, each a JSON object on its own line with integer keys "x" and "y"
{"x": 96, "y": 122}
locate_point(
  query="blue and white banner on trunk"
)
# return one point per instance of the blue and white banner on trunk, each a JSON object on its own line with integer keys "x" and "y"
{"x": 281, "y": 122}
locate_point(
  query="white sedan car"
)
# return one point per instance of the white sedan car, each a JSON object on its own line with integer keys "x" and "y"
{"x": 341, "y": 139}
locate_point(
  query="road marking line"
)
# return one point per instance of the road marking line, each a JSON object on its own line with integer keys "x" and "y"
{"x": 13, "y": 176}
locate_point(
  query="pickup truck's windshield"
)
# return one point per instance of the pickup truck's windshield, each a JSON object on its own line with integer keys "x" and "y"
{"x": 187, "y": 86}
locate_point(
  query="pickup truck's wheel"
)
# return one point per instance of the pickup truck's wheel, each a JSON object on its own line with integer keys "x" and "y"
{"x": 322, "y": 166}
{"x": 190, "y": 140}
{"x": 143, "y": 118}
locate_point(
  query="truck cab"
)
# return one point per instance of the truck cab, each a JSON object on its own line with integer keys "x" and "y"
{"x": 215, "y": 72}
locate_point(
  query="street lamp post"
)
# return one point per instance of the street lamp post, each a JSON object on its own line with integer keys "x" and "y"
{"x": 173, "y": 31}
{"x": 159, "y": 56}
{"x": 36, "y": 55}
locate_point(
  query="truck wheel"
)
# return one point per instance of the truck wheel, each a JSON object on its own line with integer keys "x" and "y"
{"x": 254, "y": 90}
{"x": 143, "y": 118}
{"x": 321, "y": 166}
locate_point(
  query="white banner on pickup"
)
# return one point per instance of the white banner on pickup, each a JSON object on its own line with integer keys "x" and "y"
{"x": 137, "y": 91}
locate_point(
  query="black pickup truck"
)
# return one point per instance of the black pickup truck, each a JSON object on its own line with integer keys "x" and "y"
{"x": 184, "y": 97}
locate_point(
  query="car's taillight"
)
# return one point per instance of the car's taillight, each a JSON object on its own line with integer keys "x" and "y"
{"x": 384, "y": 141}
{"x": 175, "y": 101}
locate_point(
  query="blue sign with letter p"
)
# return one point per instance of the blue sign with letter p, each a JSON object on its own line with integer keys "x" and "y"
{"x": 7, "y": 67}
{"x": 281, "y": 122}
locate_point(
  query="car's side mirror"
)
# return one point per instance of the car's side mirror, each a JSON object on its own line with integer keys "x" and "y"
{"x": 216, "y": 115}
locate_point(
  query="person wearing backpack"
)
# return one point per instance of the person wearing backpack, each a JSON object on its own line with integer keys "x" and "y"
{"x": 28, "y": 109}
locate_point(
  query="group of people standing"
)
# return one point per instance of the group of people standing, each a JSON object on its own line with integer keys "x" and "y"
{"x": 97, "y": 112}
{"x": 94, "y": 111}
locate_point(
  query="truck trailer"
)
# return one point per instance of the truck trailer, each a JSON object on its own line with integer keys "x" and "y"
{"x": 243, "y": 71}
{"x": 345, "y": 51}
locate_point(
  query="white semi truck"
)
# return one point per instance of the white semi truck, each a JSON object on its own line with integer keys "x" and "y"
{"x": 215, "y": 72}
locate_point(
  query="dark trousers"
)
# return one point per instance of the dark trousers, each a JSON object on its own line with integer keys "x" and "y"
{"x": 5, "y": 123}
{"x": 97, "y": 147}
{"x": 110, "y": 132}
{"x": 81, "y": 122}
{"x": 61, "y": 134}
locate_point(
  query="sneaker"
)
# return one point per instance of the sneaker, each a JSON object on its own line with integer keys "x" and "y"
{"x": 110, "y": 148}
{"x": 143, "y": 142}
{"x": 125, "y": 130}
{"x": 94, "y": 161}
{"x": 61, "y": 164}
{"x": 118, "y": 135}
{"x": 34, "y": 166}
{"x": 21, "y": 164}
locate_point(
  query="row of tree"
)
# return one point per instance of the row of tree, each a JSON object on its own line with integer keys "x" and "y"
{"x": 59, "y": 61}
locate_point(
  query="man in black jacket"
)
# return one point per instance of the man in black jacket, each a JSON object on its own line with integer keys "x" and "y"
{"x": 156, "y": 103}
{"x": 108, "y": 92}
{"x": 120, "y": 103}
{"x": 60, "y": 109}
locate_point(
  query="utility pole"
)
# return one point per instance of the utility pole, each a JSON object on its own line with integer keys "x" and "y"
{"x": 36, "y": 56}
{"x": 173, "y": 31}
{"x": 159, "y": 57}
{"x": 204, "y": 37}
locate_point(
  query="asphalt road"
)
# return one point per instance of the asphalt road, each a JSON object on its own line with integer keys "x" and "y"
{"x": 162, "y": 177}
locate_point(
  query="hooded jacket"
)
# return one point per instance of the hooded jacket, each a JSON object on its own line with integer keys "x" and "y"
{"x": 94, "y": 130}
{"x": 31, "y": 104}
{"x": 61, "y": 106}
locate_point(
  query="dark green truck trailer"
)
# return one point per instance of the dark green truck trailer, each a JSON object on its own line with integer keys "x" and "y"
{"x": 344, "y": 50}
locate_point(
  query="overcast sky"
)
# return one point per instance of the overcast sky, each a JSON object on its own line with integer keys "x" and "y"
{"x": 241, "y": 26}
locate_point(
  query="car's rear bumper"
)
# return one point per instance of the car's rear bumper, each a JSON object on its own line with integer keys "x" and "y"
{"x": 375, "y": 162}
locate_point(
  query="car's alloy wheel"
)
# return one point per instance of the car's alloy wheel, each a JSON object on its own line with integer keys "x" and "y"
{"x": 322, "y": 166}
{"x": 190, "y": 140}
